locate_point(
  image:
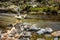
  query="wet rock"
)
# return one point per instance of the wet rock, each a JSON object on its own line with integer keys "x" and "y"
{"x": 41, "y": 31}
{"x": 33, "y": 28}
{"x": 14, "y": 7}
{"x": 27, "y": 34}
{"x": 49, "y": 30}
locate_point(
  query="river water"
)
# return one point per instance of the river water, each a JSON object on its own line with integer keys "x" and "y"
{"x": 40, "y": 20}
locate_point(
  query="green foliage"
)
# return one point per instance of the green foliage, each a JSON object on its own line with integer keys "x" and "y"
{"x": 40, "y": 8}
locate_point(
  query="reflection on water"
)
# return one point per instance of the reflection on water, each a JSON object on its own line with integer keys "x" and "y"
{"x": 46, "y": 22}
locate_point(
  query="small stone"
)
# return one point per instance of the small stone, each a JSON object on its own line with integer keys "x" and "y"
{"x": 40, "y": 39}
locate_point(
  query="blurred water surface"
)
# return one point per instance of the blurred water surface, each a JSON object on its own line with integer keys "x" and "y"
{"x": 40, "y": 20}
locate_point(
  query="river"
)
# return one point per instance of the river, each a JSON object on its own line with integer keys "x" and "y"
{"x": 40, "y": 20}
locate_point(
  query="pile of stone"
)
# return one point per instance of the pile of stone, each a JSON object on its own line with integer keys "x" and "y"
{"x": 45, "y": 31}
{"x": 22, "y": 31}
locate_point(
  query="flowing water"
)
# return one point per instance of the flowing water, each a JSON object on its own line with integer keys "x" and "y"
{"x": 40, "y": 20}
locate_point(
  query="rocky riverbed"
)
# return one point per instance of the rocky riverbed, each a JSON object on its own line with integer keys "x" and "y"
{"x": 41, "y": 22}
